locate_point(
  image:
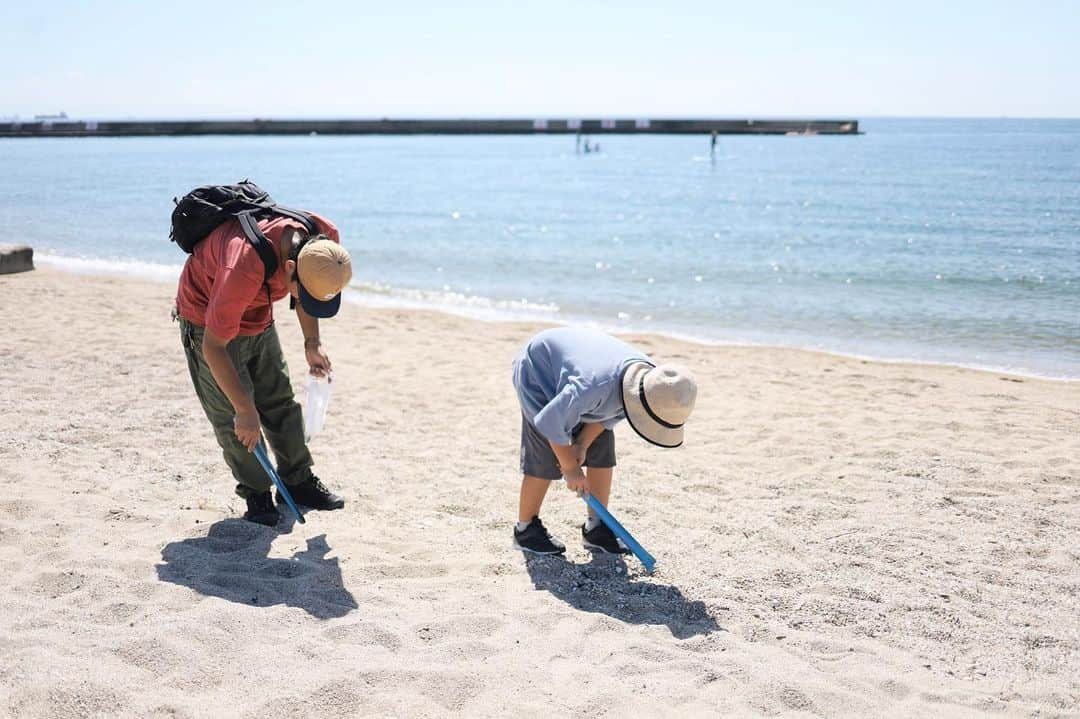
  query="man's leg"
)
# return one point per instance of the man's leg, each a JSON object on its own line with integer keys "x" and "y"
{"x": 283, "y": 423}
{"x": 279, "y": 412}
{"x": 249, "y": 474}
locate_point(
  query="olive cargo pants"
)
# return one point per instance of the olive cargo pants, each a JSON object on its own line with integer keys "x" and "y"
{"x": 263, "y": 373}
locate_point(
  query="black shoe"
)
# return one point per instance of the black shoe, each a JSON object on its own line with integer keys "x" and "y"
{"x": 314, "y": 495}
{"x": 602, "y": 539}
{"x": 535, "y": 539}
{"x": 261, "y": 510}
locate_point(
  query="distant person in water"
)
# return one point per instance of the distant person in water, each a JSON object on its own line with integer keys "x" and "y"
{"x": 225, "y": 309}
{"x": 574, "y": 385}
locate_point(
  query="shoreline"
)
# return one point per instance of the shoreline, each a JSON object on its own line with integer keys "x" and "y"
{"x": 161, "y": 273}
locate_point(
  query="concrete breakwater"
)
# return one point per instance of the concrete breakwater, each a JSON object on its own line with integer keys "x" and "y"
{"x": 538, "y": 126}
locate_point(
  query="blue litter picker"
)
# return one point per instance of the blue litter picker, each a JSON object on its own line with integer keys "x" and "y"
{"x": 264, "y": 460}
{"x": 613, "y": 524}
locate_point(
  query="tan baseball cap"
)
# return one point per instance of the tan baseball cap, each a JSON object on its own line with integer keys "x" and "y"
{"x": 324, "y": 269}
{"x": 658, "y": 400}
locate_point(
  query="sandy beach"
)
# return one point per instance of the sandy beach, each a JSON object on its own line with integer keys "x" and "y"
{"x": 838, "y": 537}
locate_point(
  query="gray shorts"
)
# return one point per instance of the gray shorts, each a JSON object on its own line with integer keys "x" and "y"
{"x": 538, "y": 458}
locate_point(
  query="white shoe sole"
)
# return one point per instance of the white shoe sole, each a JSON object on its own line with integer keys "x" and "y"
{"x": 597, "y": 547}
{"x": 539, "y": 554}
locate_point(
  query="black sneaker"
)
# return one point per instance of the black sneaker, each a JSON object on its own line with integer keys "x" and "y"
{"x": 261, "y": 510}
{"x": 602, "y": 539}
{"x": 314, "y": 495}
{"x": 535, "y": 539}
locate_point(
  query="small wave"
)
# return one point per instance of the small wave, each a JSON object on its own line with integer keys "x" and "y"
{"x": 153, "y": 271}
{"x": 374, "y": 294}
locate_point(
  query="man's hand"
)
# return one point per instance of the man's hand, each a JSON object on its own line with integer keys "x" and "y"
{"x": 246, "y": 421}
{"x": 318, "y": 362}
{"x": 246, "y": 424}
{"x": 576, "y": 480}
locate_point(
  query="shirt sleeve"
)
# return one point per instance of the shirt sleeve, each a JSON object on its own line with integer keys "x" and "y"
{"x": 610, "y": 423}
{"x": 557, "y": 420}
{"x": 328, "y": 228}
{"x": 239, "y": 279}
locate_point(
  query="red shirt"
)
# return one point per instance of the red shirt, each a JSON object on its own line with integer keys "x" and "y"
{"x": 221, "y": 286}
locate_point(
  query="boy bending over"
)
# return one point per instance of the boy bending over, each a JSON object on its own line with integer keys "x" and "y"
{"x": 574, "y": 386}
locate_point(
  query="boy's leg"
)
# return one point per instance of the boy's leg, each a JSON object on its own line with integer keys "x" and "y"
{"x": 249, "y": 474}
{"x": 279, "y": 412}
{"x": 600, "y": 460}
{"x": 600, "y": 484}
{"x": 600, "y": 466}
{"x": 595, "y": 534}
{"x": 540, "y": 468}
{"x": 533, "y": 490}
{"x": 530, "y": 535}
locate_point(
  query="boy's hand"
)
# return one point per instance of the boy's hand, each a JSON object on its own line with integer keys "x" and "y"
{"x": 580, "y": 452}
{"x": 577, "y": 481}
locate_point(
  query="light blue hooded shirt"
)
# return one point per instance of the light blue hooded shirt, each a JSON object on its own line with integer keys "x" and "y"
{"x": 567, "y": 375}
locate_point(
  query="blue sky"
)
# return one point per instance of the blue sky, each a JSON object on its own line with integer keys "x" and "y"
{"x": 399, "y": 59}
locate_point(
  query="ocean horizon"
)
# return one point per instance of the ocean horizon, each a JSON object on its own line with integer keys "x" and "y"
{"x": 941, "y": 241}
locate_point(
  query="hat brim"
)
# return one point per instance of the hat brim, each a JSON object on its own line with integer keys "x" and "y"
{"x": 650, "y": 427}
{"x": 318, "y": 308}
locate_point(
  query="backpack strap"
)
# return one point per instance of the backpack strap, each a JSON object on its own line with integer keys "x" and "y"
{"x": 260, "y": 242}
{"x": 302, "y": 217}
{"x": 265, "y": 248}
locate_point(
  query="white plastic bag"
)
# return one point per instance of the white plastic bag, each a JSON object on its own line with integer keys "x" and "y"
{"x": 318, "y": 397}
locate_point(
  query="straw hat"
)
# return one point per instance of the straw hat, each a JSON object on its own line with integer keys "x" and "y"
{"x": 658, "y": 400}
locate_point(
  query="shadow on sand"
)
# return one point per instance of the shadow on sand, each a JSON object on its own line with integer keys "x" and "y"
{"x": 231, "y": 562}
{"x": 602, "y": 586}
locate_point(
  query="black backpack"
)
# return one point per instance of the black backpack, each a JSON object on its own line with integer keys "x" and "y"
{"x": 201, "y": 211}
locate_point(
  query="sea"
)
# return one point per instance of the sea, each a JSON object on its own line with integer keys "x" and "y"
{"x": 940, "y": 240}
